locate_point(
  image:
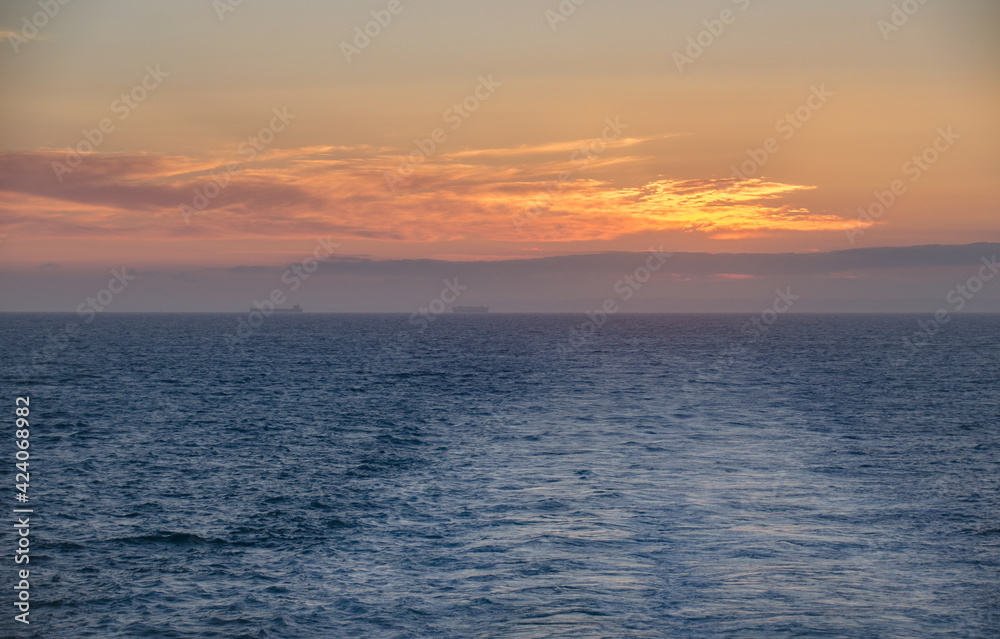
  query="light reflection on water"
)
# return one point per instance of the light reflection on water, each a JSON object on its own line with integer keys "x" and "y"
{"x": 487, "y": 484}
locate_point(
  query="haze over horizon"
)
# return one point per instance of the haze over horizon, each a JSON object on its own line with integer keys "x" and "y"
{"x": 899, "y": 279}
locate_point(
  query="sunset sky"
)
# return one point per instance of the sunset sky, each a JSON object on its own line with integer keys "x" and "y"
{"x": 543, "y": 134}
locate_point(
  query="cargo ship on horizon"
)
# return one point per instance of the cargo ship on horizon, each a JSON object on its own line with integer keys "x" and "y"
{"x": 471, "y": 310}
{"x": 294, "y": 309}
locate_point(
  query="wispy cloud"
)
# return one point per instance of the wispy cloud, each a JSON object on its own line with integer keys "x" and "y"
{"x": 550, "y": 148}
{"x": 22, "y": 38}
{"x": 342, "y": 190}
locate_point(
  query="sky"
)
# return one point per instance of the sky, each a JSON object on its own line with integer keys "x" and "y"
{"x": 196, "y": 136}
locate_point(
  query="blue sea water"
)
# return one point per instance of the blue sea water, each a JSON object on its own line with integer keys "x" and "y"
{"x": 352, "y": 476}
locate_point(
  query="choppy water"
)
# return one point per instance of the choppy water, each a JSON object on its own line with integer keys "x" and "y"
{"x": 348, "y": 476}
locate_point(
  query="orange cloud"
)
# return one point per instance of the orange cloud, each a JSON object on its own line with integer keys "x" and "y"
{"x": 466, "y": 195}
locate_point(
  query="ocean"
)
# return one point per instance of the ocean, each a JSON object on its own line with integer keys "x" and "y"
{"x": 502, "y": 476}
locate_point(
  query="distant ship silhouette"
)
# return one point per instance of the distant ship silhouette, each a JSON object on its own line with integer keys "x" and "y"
{"x": 470, "y": 309}
{"x": 294, "y": 309}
